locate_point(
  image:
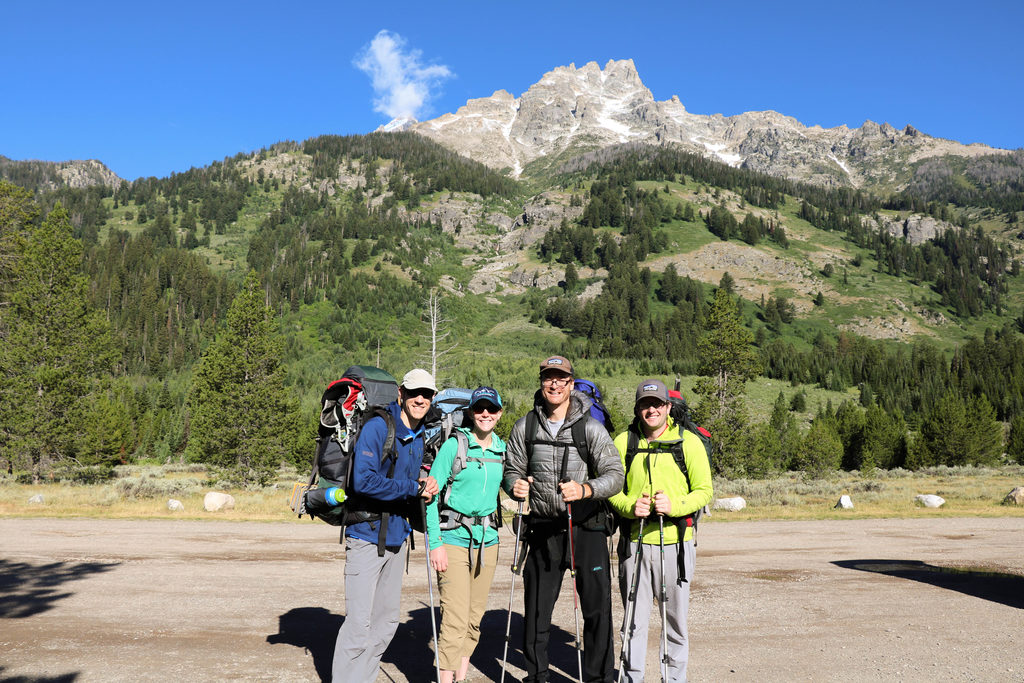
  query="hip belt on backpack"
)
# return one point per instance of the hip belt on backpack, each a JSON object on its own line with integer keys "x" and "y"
{"x": 453, "y": 519}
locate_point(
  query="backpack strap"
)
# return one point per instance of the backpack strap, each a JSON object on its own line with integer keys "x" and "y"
{"x": 674, "y": 447}
{"x": 578, "y": 429}
{"x": 451, "y": 518}
{"x": 389, "y": 452}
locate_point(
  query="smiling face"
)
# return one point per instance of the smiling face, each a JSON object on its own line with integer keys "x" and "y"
{"x": 653, "y": 415}
{"x": 485, "y": 417}
{"x": 555, "y": 387}
{"x": 414, "y": 403}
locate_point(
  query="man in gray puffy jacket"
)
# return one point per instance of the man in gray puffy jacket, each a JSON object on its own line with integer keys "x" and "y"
{"x": 559, "y": 455}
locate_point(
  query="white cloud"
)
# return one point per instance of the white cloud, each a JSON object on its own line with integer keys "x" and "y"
{"x": 402, "y": 84}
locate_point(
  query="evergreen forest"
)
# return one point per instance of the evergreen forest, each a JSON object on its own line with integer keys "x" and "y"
{"x": 198, "y": 317}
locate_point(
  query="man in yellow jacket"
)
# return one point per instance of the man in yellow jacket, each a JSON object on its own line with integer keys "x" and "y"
{"x": 657, "y": 486}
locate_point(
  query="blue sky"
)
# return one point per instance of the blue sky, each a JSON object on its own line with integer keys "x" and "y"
{"x": 155, "y": 88}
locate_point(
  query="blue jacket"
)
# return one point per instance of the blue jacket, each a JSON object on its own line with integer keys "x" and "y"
{"x": 370, "y": 480}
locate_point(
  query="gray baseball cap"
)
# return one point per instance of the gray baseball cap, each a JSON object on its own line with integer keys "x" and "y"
{"x": 652, "y": 388}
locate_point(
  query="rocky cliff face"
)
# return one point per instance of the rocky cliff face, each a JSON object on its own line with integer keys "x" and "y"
{"x": 572, "y": 110}
{"x": 87, "y": 173}
{"x": 48, "y": 175}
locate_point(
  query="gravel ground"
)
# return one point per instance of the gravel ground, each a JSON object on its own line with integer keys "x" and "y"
{"x": 863, "y": 600}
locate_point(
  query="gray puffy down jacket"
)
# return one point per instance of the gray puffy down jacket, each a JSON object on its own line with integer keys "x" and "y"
{"x": 545, "y": 463}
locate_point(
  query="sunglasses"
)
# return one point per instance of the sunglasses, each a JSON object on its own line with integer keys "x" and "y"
{"x": 555, "y": 381}
{"x": 423, "y": 393}
{"x": 486, "y": 408}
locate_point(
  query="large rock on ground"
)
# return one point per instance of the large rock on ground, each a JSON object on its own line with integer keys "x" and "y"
{"x": 734, "y": 504}
{"x": 930, "y": 500}
{"x": 215, "y": 501}
{"x": 1015, "y": 497}
{"x": 175, "y": 505}
{"x": 845, "y": 503}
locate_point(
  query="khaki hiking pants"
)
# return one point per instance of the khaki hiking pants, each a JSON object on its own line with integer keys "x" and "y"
{"x": 463, "y": 601}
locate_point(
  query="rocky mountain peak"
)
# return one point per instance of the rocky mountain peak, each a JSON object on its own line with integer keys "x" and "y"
{"x": 396, "y": 124}
{"x": 573, "y": 110}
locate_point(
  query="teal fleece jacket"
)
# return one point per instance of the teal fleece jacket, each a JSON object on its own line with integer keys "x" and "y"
{"x": 474, "y": 491}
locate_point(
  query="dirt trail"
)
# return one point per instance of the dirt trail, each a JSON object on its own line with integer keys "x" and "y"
{"x": 874, "y": 600}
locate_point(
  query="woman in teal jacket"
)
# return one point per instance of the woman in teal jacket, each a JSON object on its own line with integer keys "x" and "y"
{"x": 462, "y": 524}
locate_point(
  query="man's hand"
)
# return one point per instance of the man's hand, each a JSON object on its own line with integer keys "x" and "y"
{"x": 662, "y": 505}
{"x": 439, "y": 559}
{"x": 643, "y": 507}
{"x": 521, "y": 489}
{"x": 428, "y": 487}
{"x": 571, "y": 490}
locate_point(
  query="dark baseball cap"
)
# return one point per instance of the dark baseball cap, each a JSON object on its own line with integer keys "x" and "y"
{"x": 652, "y": 388}
{"x": 487, "y": 394}
{"x": 556, "y": 363}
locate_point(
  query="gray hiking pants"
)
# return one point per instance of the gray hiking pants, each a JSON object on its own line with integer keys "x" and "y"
{"x": 373, "y": 596}
{"x": 677, "y": 607}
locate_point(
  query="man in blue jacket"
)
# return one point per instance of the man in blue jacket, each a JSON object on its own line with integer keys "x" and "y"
{"x": 385, "y": 487}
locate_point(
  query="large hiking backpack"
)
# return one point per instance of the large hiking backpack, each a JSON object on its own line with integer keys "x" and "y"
{"x": 598, "y": 410}
{"x": 361, "y": 393}
{"x": 447, "y": 411}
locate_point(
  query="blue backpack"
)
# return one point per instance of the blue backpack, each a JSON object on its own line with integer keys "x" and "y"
{"x": 598, "y": 410}
{"x": 447, "y": 411}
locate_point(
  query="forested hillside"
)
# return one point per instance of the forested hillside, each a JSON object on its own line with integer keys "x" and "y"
{"x": 659, "y": 262}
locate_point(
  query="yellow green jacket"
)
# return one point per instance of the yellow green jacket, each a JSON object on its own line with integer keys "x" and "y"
{"x": 665, "y": 476}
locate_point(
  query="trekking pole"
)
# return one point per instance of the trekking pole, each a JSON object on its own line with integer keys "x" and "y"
{"x": 430, "y": 588}
{"x": 512, "y": 590}
{"x": 629, "y": 618}
{"x": 663, "y": 599}
{"x": 575, "y": 595}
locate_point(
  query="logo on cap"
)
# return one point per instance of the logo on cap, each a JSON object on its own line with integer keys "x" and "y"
{"x": 554, "y": 361}
{"x": 650, "y": 387}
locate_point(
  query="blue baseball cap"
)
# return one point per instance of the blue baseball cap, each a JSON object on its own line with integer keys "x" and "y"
{"x": 485, "y": 394}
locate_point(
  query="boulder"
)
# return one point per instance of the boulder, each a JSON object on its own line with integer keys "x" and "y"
{"x": 175, "y": 505}
{"x": 1015, "y": 497}
{"x": 36, "y": 499}
{"x": 845, "y": 503}
{"x": 729, "y": 504}
{"x": 930, "y": 501}
{"x": 214, "y": 501}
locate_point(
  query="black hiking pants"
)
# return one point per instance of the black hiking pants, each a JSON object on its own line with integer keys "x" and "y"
{"x": 546, "y": 563}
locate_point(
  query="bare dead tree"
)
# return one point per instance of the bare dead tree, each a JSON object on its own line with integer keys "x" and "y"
{"x": 438, "y": 335}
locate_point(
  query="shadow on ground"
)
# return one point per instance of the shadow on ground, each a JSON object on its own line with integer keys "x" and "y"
{"x": 63, "y": 678}
{"x": 28, "y": 589}
{"x": 999, "y": 587}
{"x": 312, "y": 628}
{"x": 487, "y": 657}
{"x": 411, "y": 651}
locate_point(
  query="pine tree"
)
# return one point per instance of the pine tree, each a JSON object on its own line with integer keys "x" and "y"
{"x": 821, "y": 450}
{"x": 944, "y": 434}
{"x": 572, "y": 278}
{"x": 1015, "y": 443}
{"x": 57, "y": 353}
{"x": 727, "y": 362}
{"x": 244, "y": 423}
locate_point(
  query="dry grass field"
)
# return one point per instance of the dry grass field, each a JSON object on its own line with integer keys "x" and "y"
{"x": 142, "y": 492}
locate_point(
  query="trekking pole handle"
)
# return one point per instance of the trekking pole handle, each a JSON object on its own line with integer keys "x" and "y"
{"x": 519, "y": 530}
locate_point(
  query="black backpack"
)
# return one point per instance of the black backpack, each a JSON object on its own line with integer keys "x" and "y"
{"x": 361, "y": 393}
